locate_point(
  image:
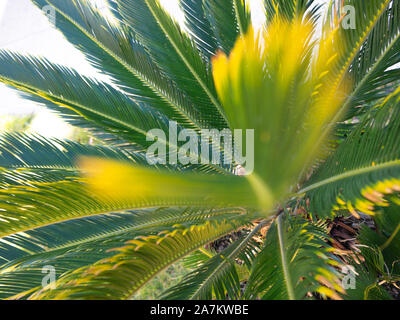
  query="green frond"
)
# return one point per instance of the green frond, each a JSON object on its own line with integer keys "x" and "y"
{"x": 76, "y": 243}
{"x": 107, "y": 137}
{"x": 295, "y": 260}
{"x": 373, "y": 265}
{"x": 368, "y": 18}
{"x": 30, "y": 204}
{"x": 289, "y": 105}
{"x": 242, "y": 15}
{"x": 379, "y": 249}
{"x": 228, "y": 19}
{"x": 199, "y": 27}
{"x": 362, "y": 279}
{"x": 371, "y": 20}
{"x": 36, "y": 198}
{"x": 85, "y": 101}
{"x": 108, "y": 223}
{"x": 121, "y": 275}
{"x": 385, "y": 239}
{"x": 93, "y": 100}
{"x": 115, "y": 50}
{"x": 292, "y": 9}
{"x": 365, "y": 167}
{"x": 27, "y": 159}
{"x": 113, "y": 6}
{"x": 175, "y": 53}
{"x": 34, "y": 204}
{"x": 218, "y": 276}
{"x": 374, "y": 67}
{"x": 134, "y": 187}
{"x": 23, "y": 151}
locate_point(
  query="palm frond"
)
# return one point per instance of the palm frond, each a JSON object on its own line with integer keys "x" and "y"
{"x": 218, "y": 276}
{"x": 228, "y": 19}
{"x": 18, "y": 150}
{"x": 371, "y": 21}
{"x": 114, "y": 50}
{"x": 175, "y": 53}
{"x": 288, "y": 104}
{"x": 108, "y": 223}
{"x": 134, "y": 264}
{"x": 295, "y": 260}
{"x": 379, "y": 249}
{"x": 31, "y": 158}
{"x": 385, "y": 239}
{"x": 199, "y": 27}
{"x": 107, "y": 137}
{"x": 36, "y": 201}
{"x": 135, "y": 186}
{"x": 362, "y": 277}
{"x": 41, "y": 185}
{"x": 364, "y": 168}
{"x": 113, "y": 6}
{"x": 89, "y": 98}
{"x": 292, "y": 9}
{"x": 372, "y": 67}
{"x": 89, "y": 103}
{"x": 70, "y": 245}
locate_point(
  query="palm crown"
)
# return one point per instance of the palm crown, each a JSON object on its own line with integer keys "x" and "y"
{"x": 324, "y": 107}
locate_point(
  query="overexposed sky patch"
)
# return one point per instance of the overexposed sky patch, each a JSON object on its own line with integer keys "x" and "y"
{"x": 2, "y": 8}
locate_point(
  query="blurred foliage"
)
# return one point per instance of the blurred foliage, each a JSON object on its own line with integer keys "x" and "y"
{"x": 20, "y": 123}
{"x": 23, "y": 124}
{"x": 166, "y": 279}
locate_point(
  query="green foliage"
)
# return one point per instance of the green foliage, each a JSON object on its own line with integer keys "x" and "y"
{"x": 379, "y": 267}
{"x": 364, "y": 168}
{"x": 385, "y": 240}
{"x": 123, "y": 274}
{"x": 94, "y": 101}
{"x": 218, "y": 276}
{"x": 175, "y": 54}
{"x": 199, "y": 27}
{"x": 229, "y": 19}
{"x": 18, "y": 123}
{"x": 366, "y": 278}
{"x": 166, "y": 279}
{"x": 109, "y": 224}
{"x": 73, "y": 244}
{"x": 370, "y": 51}
{"x": 292, "y": 9}
{"x": 295, "y": 260}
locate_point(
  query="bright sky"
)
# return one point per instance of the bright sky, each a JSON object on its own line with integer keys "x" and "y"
{"x": 23, "y": 28}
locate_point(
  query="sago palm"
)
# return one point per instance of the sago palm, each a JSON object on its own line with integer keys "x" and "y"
{"x": 320, "y": 92}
